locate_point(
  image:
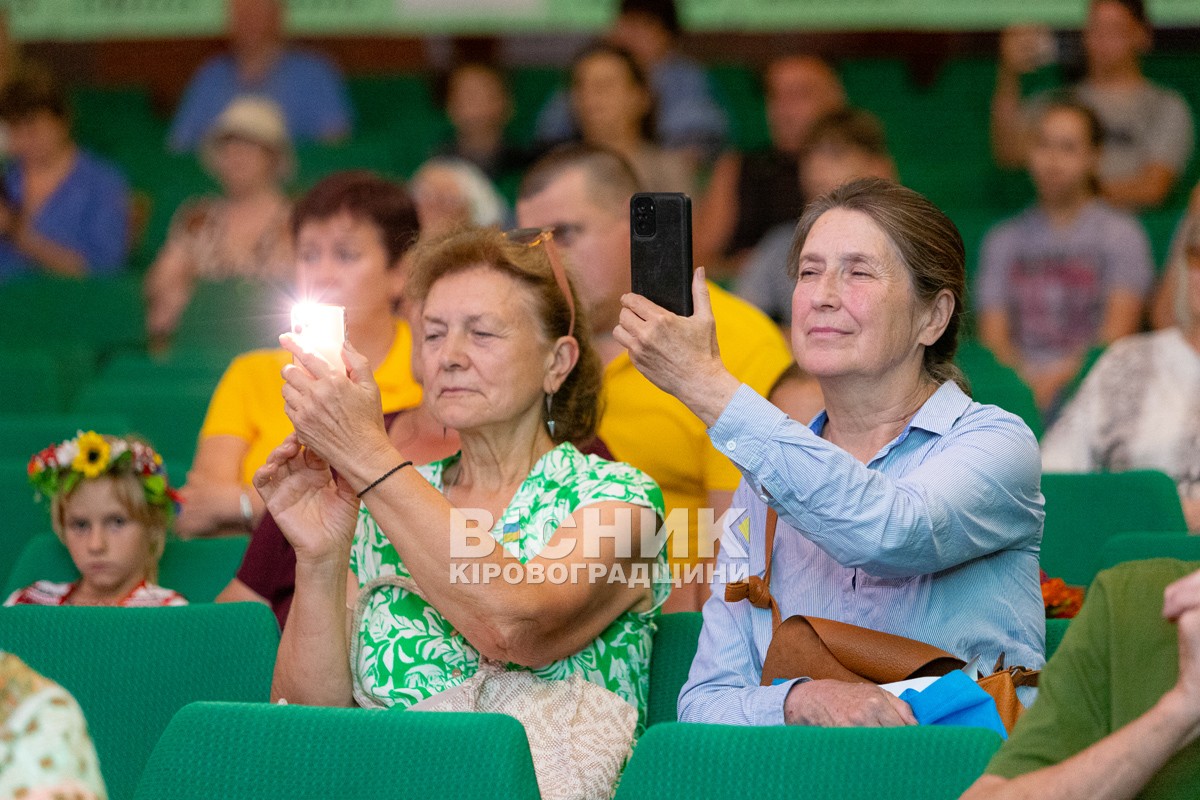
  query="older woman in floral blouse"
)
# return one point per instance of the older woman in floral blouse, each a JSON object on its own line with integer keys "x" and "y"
{"x": 506, "y": 362}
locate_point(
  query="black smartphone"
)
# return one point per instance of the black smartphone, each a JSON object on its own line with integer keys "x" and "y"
{"x": 660, "y": 248}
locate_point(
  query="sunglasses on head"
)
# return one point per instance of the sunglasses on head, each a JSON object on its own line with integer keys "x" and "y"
{"x": 532, "y": 237}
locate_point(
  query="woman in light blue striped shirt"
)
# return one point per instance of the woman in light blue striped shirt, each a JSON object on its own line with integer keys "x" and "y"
{"x": 904, "y": 506}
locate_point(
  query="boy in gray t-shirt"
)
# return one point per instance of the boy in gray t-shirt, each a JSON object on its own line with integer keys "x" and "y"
{"x": 1067, "y": 274}
{"x": 1054, "y": 283}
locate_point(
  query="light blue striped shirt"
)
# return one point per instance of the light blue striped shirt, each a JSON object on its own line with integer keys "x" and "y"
{"x": 937, "y": 539}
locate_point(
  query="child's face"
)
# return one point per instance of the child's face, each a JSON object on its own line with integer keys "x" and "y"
{"x": 1062, "y": 159}
{"x": 108, "y": 546}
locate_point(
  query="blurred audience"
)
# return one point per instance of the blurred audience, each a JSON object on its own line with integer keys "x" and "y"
{"x": 582, "y": 194}
{"x": 350, "y": 234}
{"x": 841, "y": 147}
{"x": 480, "y": 106}
{"x": 62, "y": 210}
{"x": 1162, "y": 312}
{"x": 10, "y": 66}
{"x": 687, "y": 117}
{"x": 243, "y": 233}
{"x": 613, "y": 107}
{"x": 1147, "y": 129}
{"x": 453, "y": 193}
{"x": 751, "y": 193}
{"x": 46, "y": 752}
{"x": 1139, "y": 406}
{"x": 111, "y": 505}
{"x": 307, "y": 86}
{"x": 1067, "y": 274}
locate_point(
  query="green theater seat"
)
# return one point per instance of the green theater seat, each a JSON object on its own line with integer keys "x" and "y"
{"x": 1140, "y": 546}
{"x": 239, "y": 751}
{"x": 670, "y": 661}
{"x": 722, "y": 762}
{"x": 131, "y": 669}
{"x": 1083, "y": 511}
{"x": 198, "y": 568}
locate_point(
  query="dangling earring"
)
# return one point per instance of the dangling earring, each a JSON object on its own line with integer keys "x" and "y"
{"x": 549, "y": 418}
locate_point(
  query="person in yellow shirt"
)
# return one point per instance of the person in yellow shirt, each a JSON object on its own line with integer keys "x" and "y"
{"x": 581, "y": 193}
{"x": 350, "y": 235}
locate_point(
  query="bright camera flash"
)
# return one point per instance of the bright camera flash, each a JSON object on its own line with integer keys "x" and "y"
{"x": 320, "y": 328}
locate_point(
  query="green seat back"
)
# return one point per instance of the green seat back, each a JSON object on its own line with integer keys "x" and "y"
{"x": 383, "y": 102}
{"x": 198, "y": 568}
{"x": 739, "y": 92}
{"x": 168, "y": 414}
{"x": 169, "y": 181}
{"x": 1084, "y": 510}
{"x": 1056, "y": 629}
{"x": 1160, "y": 226}
{"x": 996, "y": 384}
{"x": 102, "y": 313}
{"x": 531, "y": 88}
{"x": 131, "y": 669}
{"x": 104, "y": 116}
{"x": 44, "y": 378}
{"x": 786, "y": 763}
{"x": 24, "y": 517}
{"x": 29, "y": 382}
{"x": 234, "y": 316}
{"x": 239, "y": 751}
{"x": 376, "y": 153}
{"x": 1140, "y": 546}
{"x": 670, "y": 661}
{"x": 184, "y": 364}
{"x": 22, "y": 435}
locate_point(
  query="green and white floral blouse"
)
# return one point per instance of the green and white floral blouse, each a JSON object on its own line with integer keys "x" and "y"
{"x": 407, "y": 651}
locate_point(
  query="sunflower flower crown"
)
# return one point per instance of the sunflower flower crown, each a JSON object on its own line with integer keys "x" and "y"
{"x": 59, "y": 468}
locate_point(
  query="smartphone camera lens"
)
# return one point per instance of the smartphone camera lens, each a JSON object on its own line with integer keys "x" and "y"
{"x": 643, "y": 216}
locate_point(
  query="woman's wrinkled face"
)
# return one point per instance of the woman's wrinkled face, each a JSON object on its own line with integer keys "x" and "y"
{"x": 606, "y": 98}
{"x": 242, "y": 165}
{"x": 342, "y": 260}
{"x": 854, "y": 309}
{"x": 484, "y": 357}
{"x": 109, "y": 547}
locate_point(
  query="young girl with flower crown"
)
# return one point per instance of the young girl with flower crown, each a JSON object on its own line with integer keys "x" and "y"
{"x": 110, "y": 504}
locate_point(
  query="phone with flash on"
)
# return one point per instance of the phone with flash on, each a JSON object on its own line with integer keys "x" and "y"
{"x": 320, "y": 328}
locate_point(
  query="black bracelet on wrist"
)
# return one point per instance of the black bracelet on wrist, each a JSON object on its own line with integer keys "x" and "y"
{"x": 384, "y": 477}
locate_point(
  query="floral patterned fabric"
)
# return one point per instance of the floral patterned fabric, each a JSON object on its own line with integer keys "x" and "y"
{"x": 44, "y": 741}
{"x": 407, "y": 649}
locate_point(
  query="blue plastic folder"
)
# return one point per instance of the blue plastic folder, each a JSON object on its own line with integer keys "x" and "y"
{"x": 955, "y": 699}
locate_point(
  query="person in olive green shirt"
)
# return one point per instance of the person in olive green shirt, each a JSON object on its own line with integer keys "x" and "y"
{"x": 1118, "y": 709}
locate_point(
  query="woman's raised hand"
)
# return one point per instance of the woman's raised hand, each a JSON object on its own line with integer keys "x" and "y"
{"x": 316, "y": 513}
{"x": 679, "y": 354}
{"x": 337, "y": 414}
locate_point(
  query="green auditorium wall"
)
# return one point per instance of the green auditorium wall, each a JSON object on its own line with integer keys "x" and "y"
{"x": 100, "y": 19}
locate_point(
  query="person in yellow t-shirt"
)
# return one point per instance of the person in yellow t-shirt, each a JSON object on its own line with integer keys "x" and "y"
{"x": 582, "y": 194}
{"x": 350, "y": 235}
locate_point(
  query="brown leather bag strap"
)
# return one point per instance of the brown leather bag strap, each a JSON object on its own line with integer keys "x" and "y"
{"x": 758, "y": 590}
